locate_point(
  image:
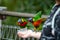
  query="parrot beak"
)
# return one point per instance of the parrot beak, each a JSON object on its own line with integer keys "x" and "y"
{"x": 33, "y": 19}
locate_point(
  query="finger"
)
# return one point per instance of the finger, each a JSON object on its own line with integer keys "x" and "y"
{"x": 20, "y": 34}
{"x": 25, "y": 36}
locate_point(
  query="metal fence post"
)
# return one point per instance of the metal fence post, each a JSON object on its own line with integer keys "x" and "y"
{"x": 1, "y": 17}
{"x": 0, "y": 27}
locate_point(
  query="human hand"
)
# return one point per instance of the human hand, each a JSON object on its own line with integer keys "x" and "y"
{"x": 25, "y": 34}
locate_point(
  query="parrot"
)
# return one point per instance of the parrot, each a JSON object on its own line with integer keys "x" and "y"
{"x": 37, "y": 23}
{"x": 25, "y": 24}
{"x": 37, "y": 20}
{"x": 22, "y": 23}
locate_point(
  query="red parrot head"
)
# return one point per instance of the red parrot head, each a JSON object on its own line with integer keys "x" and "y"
{"x": 22, "y": 22}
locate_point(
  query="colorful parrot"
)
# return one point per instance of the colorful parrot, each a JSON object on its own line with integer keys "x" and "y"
{"x": 22, "y": 23}
{"x": 36, "y": 20}
{"x": 37, "y": 23}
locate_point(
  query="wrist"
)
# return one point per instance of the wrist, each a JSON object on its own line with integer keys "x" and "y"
{"x": 35, "y": 34}
{"x": 32, "y": 34}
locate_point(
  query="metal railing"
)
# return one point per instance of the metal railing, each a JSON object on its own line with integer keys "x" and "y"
{"x": 10, "y": 33}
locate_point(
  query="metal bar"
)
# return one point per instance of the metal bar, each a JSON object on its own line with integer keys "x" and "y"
{"x": 17, "y": 14}
{"x": 44, "y": 16}
{"x": 8, "y": 33}
{"x": 0, "y": 22}
{"x": 19, "y": 38}
{"x": 32, "y": 38}
{"x": 37, "y": 39}
{"x": 11, "y": 34}
{"x": 24, "y": 39}
{"x": 15, "y": 35}
{"x": 0, "y": 27}
{"x": 28, "y": 38}
{"x": 12, "y": 31}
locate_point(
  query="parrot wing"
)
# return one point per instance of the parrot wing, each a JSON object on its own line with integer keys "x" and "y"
{"x": 38, "y": 22}
{"x": 37, "y": 16}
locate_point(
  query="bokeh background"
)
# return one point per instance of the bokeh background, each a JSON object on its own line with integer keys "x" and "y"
{"x": 9, "y": 27}
{"x": 26, "y": 6}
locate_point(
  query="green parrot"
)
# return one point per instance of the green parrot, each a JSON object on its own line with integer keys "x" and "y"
{"x": 37, "y": 20}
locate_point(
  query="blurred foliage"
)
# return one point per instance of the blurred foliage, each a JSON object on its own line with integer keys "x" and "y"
{"x": 31, "y": 6}
{"x": 28, "y": 5}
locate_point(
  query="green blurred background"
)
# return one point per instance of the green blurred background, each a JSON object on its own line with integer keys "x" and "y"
{"x": 26, "y": 6}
